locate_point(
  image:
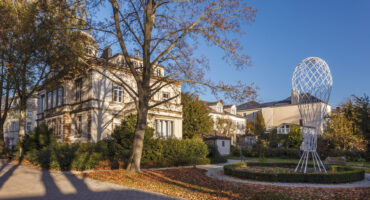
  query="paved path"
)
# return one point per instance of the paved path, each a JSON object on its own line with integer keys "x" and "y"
{"x": 25, "y": 182}
{"x": 216, "y": 171}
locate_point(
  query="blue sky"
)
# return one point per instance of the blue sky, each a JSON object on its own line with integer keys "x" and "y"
{"x": 287, "y": 31}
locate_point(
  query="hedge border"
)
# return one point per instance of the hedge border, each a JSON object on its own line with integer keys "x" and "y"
{"x": 343, "y": 174}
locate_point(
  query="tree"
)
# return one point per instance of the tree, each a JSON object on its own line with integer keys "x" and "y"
{"x": 225, "y": 126}
{"x": 260, "y": 127}
{"x": 6, "y": 83}
{"x": 196, "y": 119}
{"x": 39, "y": 41}
{"x": 250, "y": 127}
{"x": 359, "y": 112}
{"x": 294, "y": 138}
{"x": 166, "y": 33}
{"x": 340, "y": 135}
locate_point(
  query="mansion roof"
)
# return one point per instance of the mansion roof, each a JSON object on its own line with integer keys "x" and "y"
{"x": 284, "y": 102}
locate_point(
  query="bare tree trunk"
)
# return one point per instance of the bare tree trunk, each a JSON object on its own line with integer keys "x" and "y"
{"x": 137, "y": 149}
{"x": 21, "y": 132}
{"x": 2, "y": 145}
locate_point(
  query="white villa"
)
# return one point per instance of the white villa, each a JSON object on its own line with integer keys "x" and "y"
{"x": 88, "y": 106}
{"x": 218, "y": 110}
{"x": 277, "y": 114}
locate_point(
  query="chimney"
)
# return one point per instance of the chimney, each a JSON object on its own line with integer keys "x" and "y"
{"x": 294, "y": 98}
{"x": 137, "y": 54}
{"x": 107, "y": 52}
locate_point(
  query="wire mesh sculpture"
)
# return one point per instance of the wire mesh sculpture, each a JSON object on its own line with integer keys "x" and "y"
{"x": 312, "y": 83}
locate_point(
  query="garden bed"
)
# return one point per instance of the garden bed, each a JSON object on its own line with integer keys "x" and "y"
{"x": 284, "y": 172}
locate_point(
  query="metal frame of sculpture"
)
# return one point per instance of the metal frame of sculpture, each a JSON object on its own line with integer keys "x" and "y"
{"x": 312, "y": 83}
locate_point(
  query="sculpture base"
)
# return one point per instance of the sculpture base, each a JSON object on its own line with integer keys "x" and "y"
{"x": 317, "y": 163}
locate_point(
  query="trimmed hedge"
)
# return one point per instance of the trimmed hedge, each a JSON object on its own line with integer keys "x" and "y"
{"x": 340, "y": 175}
{"x": 296, "y": 153}
{"x": 274, "y": 153}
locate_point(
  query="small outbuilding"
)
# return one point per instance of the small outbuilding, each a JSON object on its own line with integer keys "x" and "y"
{"x": 222, "y": 142}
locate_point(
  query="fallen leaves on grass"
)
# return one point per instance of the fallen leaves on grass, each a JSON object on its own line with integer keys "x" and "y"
{"x": 194, "y": 184}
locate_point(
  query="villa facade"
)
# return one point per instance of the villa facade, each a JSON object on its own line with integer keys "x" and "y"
{"x": 217, "y": 110}
{"x": 278, "y": 115}
{"x": 88, "y": 107}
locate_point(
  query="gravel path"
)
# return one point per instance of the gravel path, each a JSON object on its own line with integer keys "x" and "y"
{"x": 217, "y": 172}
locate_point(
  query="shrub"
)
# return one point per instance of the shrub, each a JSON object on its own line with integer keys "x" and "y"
{"x": 180, "y": 152}
{"x": 38, "y": 139}
{"x": 350, "y": 155}
{"x": 46, "y": 152}
{"x": 294, "y": 138}
{"x": 66, "y": 157}
{"x": 274, "y": 153}
{"x": 235, "y": 151}
{"x": 156, "y": 151}
{"x": 340, "y": 174}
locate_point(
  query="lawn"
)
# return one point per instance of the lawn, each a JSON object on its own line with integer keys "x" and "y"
{"x": 192, "y": 183}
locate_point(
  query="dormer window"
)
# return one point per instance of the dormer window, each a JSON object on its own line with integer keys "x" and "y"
{"x": 233, "y": 111}
{"x": 165, "y": 96}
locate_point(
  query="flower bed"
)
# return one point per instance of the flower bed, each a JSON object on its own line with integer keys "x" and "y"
{"x": 336, "y": 174}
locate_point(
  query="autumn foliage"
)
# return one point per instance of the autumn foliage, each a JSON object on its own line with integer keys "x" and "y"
{"x": 194, "y": 184}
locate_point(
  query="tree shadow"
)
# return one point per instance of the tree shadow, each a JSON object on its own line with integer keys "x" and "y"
{"x": 3, "y": 165}
{"x": 8, "y": 173}
{"x": 221, "y": 189}
{"x": 79, "y": 184}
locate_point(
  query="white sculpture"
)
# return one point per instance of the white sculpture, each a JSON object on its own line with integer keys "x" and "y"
{"x": 312, "y": 83}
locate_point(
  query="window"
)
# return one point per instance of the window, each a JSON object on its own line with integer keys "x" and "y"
{"x": 14, "y": 126}
{"x": 223, "y": 143}
{"x": 60, "y": 96}
{"x": 55, "y": 98}
{"x": 284, "y": 129}
{"x": 50, "y": 98}
{"x": 164, "y": 128}
{"x": 116, "y": 123}
{"x": 42, "y": 103}
{"x": 78, "y": 88}
{"x": 158, "y": 72}
{"x": 58, "y": 128}
{"x": 233, "y": 111}
{"x": 219, "y": 109}
{"x": 28, "y": 127}
{"x": 79, "y": 125}
{"x": 165, "y": 96}
{"x": 29, "y": 114}
{"x": 117, "y": 93}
